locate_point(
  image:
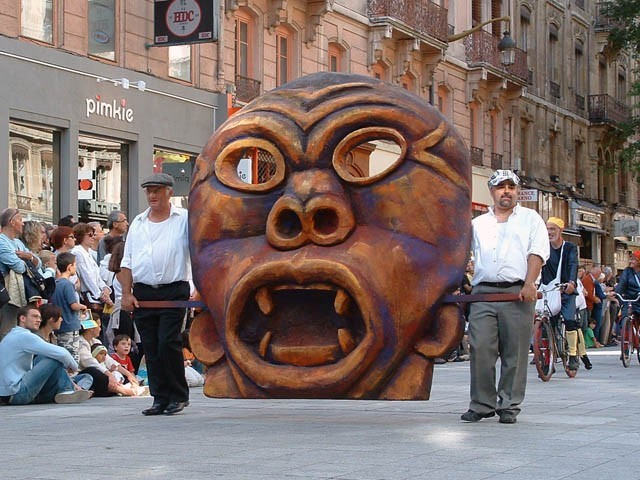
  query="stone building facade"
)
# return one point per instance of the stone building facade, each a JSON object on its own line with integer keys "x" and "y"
{"x": 547, "y": 115}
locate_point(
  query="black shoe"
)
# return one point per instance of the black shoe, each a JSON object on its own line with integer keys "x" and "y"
{"x": 156, "y": 409}
{"x": 471, "y": 416}
{"x": 175, "y": 407}
{"x": 507, "y": 416}
{"x": 586, "y": 361}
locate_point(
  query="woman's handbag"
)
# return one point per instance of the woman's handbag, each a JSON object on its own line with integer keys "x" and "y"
{"x": 35, "y": 285}
{"x": 551, "y": 293}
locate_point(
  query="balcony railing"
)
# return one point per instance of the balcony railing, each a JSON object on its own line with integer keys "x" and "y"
{"x": 580, "y": 103}
{"x": 482, "y": 48}
{"x": 606, "y": 109}
{"x": 246, "y": 88}
{"x": 496, "y": 161}
{"x": 603, "y": 23}
{"x": 554, "y": 89}
{"x": 423, "y": 16}
{"x": 477, "y": 155}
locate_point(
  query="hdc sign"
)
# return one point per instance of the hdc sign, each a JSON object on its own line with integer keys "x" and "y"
{"x": 185, "y": 21}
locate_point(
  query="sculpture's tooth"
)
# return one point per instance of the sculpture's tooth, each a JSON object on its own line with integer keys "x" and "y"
{"x": 264, "y": 344}
{"x": 342, "y": 302}
{"x": 264, "y": 301}
{"x": 346, "y": 341}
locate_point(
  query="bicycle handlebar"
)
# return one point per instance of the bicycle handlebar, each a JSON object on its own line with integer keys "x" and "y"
{"x": 627, "y": 300}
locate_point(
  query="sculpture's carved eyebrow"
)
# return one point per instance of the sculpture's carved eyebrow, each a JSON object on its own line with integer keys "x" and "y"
{"x": 419, "y": 151}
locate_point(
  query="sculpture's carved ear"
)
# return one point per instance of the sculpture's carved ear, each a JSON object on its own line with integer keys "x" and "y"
{"x": 445, "y": 333}
{"x": 204, "y": 339}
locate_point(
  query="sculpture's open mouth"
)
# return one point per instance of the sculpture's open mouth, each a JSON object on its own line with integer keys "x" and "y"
{"x": 314, "y": 317}
{"x": 302, "y": 325}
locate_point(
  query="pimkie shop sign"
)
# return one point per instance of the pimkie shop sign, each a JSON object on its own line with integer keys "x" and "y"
{"x": 178, "y": 22}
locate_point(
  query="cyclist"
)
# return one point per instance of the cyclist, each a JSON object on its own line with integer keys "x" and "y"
{"x": 563, "y": 260}
{"x": 629, "y": 282}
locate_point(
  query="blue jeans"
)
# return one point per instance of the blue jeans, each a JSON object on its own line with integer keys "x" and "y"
{"x": 41, "y": 384}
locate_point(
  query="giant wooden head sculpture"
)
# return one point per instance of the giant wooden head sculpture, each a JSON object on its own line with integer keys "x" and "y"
{"x": 328, "y": 219}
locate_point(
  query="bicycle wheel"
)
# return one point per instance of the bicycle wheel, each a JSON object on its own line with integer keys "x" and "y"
{"x": 543, "y": 349}
{"x": 626, "y": 341}
{"x": 561, "y": 345}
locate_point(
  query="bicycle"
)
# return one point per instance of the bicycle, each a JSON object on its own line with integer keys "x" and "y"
{"x": 550, "y": 340}
{"x": 629, "y": 331}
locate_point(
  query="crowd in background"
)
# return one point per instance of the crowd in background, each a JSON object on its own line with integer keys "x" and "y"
{"x": 83, "y": 313}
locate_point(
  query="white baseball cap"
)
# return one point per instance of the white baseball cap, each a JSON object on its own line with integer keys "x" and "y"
{"x": 500, "y": 176}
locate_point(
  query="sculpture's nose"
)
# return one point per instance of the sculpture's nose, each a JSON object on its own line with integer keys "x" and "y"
{"x": 314, "y": 209}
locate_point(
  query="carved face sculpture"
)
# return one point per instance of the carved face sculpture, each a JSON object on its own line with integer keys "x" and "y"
{"x": 324, "y": 273}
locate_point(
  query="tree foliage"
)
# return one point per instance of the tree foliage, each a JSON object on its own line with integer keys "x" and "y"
{"x": 624, "y": 35}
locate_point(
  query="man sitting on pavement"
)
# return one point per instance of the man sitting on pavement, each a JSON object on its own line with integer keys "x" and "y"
{"x": 32, "y": 370}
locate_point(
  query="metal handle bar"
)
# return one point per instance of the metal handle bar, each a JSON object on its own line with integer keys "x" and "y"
{"x": 479, "y": 297}
{"x": 627, "y": 300}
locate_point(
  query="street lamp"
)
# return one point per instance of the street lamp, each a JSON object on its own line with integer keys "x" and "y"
{"x": 507, "y": 49}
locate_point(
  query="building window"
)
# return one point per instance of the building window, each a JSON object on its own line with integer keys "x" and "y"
{"x": 579, "y": 66}
{"x": 335, "y": 58}
{"x": 30, "y": 172}
{"x": 283, "y": 54}
{"x": 444, "y": 101}
{"x": 242, "y": 32}
{"x": 621, "y": 86}
{"x": 525, "y": 27}
{"x": 379, "y": 71}
{"x": 180, "y": 62}
{"x": 36, "y": 20}
{"x": 101, "y": 18}
{"x": 407, "y": 82}
{"x": 553, "y": 51}
{"x": 579, "y": 162}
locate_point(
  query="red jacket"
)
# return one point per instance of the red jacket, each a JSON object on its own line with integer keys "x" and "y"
{"x": 589, "y": 290}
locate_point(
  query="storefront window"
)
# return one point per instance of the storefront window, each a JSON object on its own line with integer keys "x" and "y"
{"x": 179, "y": 166}
{"x": 37, "y": 19}
{"x": 100, "y": 166}
{"x": 180, "y": 62}
{"x": 31, "y": 171}
{"x": 101, "y": 26}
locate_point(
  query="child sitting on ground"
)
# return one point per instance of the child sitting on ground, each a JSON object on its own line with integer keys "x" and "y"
{"x": 122, "y": 347}
{"x": 121, "y": 374}
{"x": 590, "y": 340}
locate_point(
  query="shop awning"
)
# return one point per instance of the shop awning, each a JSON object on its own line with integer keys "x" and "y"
{"x": 594, "y": 229}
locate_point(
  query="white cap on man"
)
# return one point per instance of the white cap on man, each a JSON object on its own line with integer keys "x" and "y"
{"x": 500, "y": 176}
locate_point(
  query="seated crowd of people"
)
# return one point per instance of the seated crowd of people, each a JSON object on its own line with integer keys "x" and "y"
{"x": 75, "y": 342}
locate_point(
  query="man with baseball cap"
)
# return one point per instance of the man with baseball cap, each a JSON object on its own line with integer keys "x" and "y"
{"x": 562, "y": 267}
{"x": 510, "y": 245}
{"x": 156, "y": 266}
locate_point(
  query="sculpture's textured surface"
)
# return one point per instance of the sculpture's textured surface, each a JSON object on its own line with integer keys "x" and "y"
{"x": 325, "y": 280}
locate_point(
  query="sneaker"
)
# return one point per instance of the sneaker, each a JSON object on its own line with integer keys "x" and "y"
{"x": 573, "y": 362}
{"x": 77, "y": 396}
{"x": 471, "y": 416}
{"x": 439, "y": 361}
{"x": 586, "y": 361}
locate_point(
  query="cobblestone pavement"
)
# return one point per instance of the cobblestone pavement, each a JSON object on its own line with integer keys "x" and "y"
{"x": 583, "y": 428}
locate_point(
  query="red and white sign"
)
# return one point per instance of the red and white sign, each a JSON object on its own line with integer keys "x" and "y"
{"x": 183, "y": 17}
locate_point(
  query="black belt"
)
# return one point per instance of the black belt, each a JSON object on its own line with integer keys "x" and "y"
{"x": 502, "y": 284}
{"x": 162, "y": 285}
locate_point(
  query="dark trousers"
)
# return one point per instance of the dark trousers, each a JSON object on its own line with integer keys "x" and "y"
{"x": 160, "y": 330}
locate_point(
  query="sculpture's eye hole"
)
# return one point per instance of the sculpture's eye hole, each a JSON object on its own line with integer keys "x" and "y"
{"x": 253, "y": 165}
{"x": 369, "y": 154}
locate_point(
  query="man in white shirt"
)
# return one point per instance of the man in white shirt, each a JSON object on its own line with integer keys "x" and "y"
{"x": 510, "y": 244}
{"x": 32, "y": 370}
{"x": 156, "y": 266}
